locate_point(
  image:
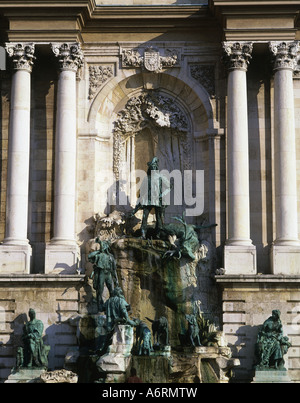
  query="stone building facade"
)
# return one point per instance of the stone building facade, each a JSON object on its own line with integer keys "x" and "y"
{"x": 88, "y": 90}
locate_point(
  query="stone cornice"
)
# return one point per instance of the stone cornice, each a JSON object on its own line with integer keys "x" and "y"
{"x": 90, "y": 17}
{"x": 90, "y": 8}
{"x": 26, "y": 280}
{"x": 121, "y": 18}
{"x": 260, "y": 279}
{"x": 257, "y": 20}
{"x": 253, "y": 3}
{"x": 248, "y": 20}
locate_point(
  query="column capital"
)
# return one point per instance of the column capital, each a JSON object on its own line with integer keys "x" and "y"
{"x": 70, "y": 55}
{"x": 237, "y": 55}
{"x": 285, "y": 54}
{"x": 22, "y": 55}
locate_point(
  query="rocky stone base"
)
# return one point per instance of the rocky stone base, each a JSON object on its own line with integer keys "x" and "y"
{"x": 202, "y": 365}
{"x": 193, "y": 365}
{"x": 26, "y": 375}
{"x": 116, "y": 362}
{"x": 59, "y": 376}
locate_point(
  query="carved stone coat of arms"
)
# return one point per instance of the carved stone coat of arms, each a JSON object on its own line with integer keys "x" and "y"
{"x": 152, "y": 60}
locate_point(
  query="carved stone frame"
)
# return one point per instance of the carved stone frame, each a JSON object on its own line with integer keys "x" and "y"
{"x": 155, "y": 111}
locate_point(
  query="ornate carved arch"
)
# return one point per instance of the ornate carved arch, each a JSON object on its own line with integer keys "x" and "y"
{"x": 120, "y": 84}
{"x": 151, "y": 110}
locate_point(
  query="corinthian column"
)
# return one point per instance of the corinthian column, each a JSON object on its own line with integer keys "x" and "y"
{"x": 286, "y": 248}
{"x": 61, "y": 254}
{"x": 240, "y": 254}
{"x": 15, "y": 252}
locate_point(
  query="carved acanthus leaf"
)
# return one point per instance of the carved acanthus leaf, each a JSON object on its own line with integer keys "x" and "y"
{"x": 286, "y": 54}
{"x": 237, "y": 55}
{"x": 70, "y": 55}
{"x": 22, "y": 55}
{"x": 98, "y": 76}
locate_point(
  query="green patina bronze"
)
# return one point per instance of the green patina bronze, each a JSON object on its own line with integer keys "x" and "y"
{"x": 104, "y": 272}
{"x": 34, "y": 353}
{"x": 186, "y": 241}
{"x": 153, "y": 189}
{"x": 116, "y": 309}
{"x": 271, "y": 344}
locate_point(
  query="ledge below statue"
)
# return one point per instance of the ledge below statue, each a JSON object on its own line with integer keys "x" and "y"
{"x": 26, "y": 375}
{"x": 271, "y": 376}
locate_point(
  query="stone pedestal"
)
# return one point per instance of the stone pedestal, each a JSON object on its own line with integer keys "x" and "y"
{"x": 61, "y": 259}
{"x": 285, "y": 259}
{"x": 239, "y": 259}
{"x": 26, "y": 375}
{"x": 117, "y": 361}
{"x": 270, "y": 376}
{"x": 15, "y": 259}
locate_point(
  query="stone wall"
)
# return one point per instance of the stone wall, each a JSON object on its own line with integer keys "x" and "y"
{"x": 247, "y": 302}
{"x": 55, "y": 300}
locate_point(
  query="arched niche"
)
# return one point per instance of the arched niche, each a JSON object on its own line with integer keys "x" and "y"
{"x": 121, "y": 88}
{"x": 154, "y": 113}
